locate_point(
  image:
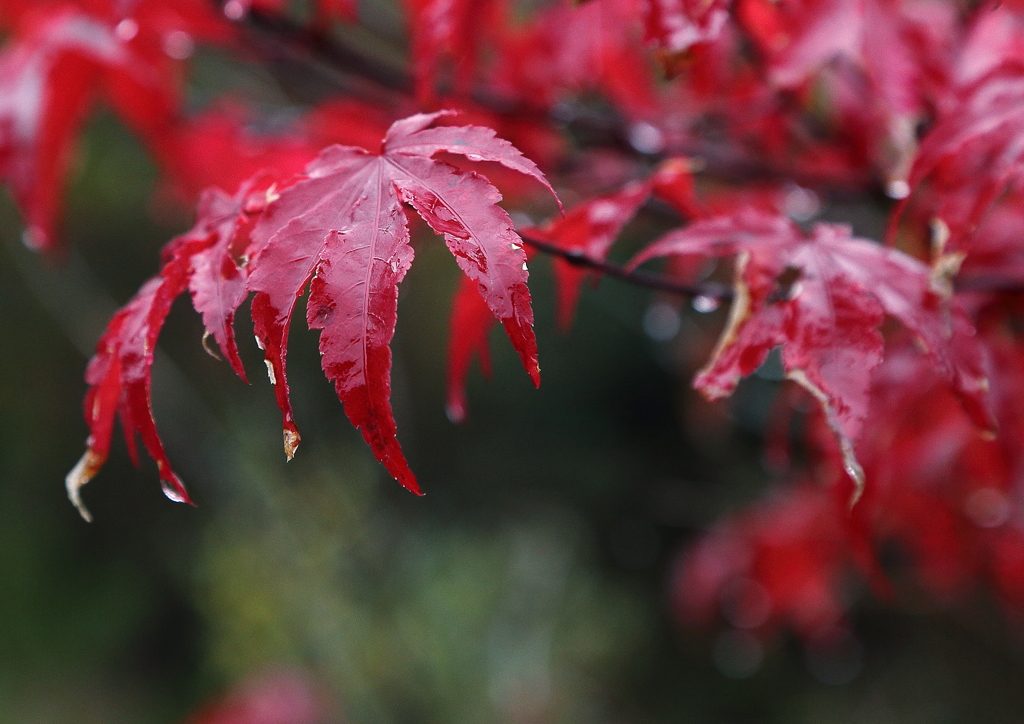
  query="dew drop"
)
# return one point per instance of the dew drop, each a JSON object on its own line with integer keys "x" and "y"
{"x": 234, "y": 10}
{"x": 601, "y": 212}
{"x": 646, "y": 138}
{"x": 34, "y": 238}
{"x": 897, "y": 189}
{"x": 171, "y": 492}
{"x": 270, "y": 372}
{"x": 126, "y": 30}
{"x": 801, "y": 204}
{"x": 704, "y": 304}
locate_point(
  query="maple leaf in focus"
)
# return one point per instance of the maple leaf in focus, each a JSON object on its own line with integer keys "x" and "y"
{"x": 342, "y": 230}
{"x": 339, "y": 228}
{"x": 822, "y": 299}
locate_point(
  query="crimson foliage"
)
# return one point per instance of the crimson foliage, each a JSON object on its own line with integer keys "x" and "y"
{"x": 733, "y": 118}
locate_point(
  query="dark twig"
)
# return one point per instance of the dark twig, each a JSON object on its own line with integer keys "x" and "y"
{"x": 713, "y": 290}
{"x": 992, "y": 284}
{"x": 313, "y": 44}
{"x": 716, "y": 290}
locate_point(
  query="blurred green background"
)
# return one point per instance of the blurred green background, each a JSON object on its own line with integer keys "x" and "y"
{"x": 530, "y": 584}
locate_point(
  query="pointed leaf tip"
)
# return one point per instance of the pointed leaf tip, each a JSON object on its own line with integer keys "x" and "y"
{"x": 291, "y": 443}
{"x": 82, "y": 473}
{"x": 456, "y": 412}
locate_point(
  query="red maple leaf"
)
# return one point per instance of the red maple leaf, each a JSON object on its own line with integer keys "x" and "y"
{"x": 592, "y": 45}
{"x": 119, "y": 374}
{"x": 449, "y": 30}
{"x": 822, "y": 298}
{"x": 975, "y": 151}
{"x": 340, "y": 229}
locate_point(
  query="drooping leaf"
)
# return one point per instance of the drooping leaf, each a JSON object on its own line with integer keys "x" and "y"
{"x": 342, "y": 230}
{"x": 822, "y": 299}
{"x": 119, "y": 375}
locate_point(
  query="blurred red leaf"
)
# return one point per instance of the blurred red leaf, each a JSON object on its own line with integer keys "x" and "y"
{"x": 275, "y": 698}
{"x": 62, "y": 57}
{"x": 822, "y": 299}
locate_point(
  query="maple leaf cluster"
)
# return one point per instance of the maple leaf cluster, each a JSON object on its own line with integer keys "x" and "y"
{"x": 734, "y": 119}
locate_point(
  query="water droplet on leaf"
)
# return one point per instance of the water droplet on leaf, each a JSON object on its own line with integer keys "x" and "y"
{"x": 705, "y": 304}
{"x": 173, "y": 493}
{"x": 126, "y": 30}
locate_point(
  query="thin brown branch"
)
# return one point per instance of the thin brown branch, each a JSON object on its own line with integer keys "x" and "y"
{"x": 312, "y": 44}
{"x": 713, "y": 290}
{"x": 716, "y": 290}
